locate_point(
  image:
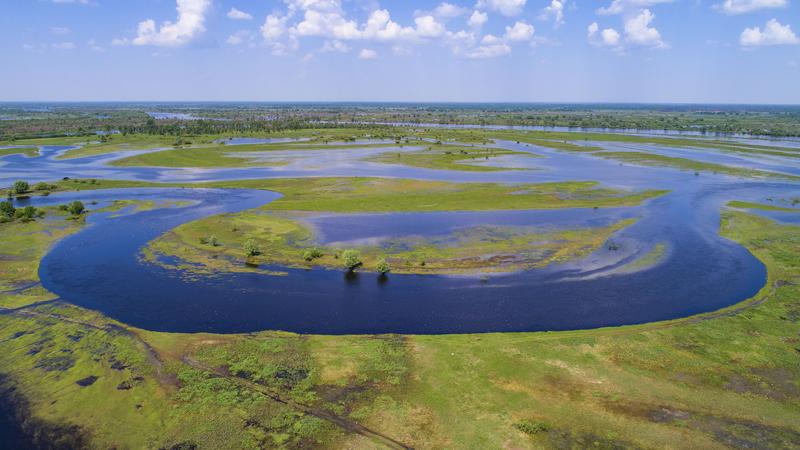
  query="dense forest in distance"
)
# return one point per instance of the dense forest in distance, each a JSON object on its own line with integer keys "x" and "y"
{"x": 26, "y": 120}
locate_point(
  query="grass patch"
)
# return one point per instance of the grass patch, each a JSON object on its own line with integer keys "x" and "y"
{"x": 27, "y": 151}
{"x": 392, "y": 195}
{"x": 760, "y": 206}
{"x": 447, "y": 157}
{"x": 649, "y": 159}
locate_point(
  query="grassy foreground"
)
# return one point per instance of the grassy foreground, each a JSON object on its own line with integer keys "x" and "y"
{"x": 722, "y": 380}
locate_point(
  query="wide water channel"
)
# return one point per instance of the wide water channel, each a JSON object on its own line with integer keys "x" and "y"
{"x": 100, "y": 267}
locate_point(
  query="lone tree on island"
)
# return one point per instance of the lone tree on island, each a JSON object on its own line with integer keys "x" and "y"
{"x": 251, "y": 248}
{"x": 351, "y": 259}
{"x": 21, "y": 187}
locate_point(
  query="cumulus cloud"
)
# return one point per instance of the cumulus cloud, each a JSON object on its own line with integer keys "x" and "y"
{"x": 773, "y": 34}
{"x": 490, "y": 47}
{"x": 449, "y": 11}
{"x": 190, "y": 23}
{"x": 555, "y": 11}
{"x": 60, "y": 30}
{"x": 505, "y": 7}
{"x": 608, "y": 37}
{"x": 638, "y": 30}
{"x": 274, "y": 27}
{"x": 366, "y": 53}
{"x": 428, "y": 27}
{"x": 521, "y": 31}
{"x": 623, "y": 6}
{"x": 734, "y": 7}
{"x": 327, "y": 19}
{"x": 477, "y": 19}
{"x": 236, "y": 14}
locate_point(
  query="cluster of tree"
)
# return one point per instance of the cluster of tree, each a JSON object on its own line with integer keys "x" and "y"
{"x": 8, "y": 212}
{"x": 75, "y": 208}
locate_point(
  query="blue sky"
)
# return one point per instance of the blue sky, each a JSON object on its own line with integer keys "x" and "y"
{"x": 731, "y": 51}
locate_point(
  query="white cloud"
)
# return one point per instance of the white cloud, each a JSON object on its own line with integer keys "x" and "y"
{"x": 366, "y": 53}
{"x": 448, "y": 11}
{"x": 773, "y": 34}
{"x": 120, "y": 42}
{"x": 745, "y": 6}
{"x": 236, "y": 14}
{"x": 477, "y": 19}
{"x": 402, "y": 50}
{"x": 60, "y": 30}
{"x": 491, "y": 47}
{"x": 322, "y": 18}
{"x": 521, "y": 31}
{"x": 191, "y": 17}
{"x": 554, "y": 10}
{"x": 63, "y": 46}
{"x": 608, "y": 37}
{"x": 274, "y": 27}
{"x": 622, "y": 6}
{"x": 94, "y": 46}
{"x": 381, "y": 27}
{"x": 504, "y": 7}
{"x": 326, "y": 19}
{"x": 638, "y": 30}
{"x": 240, "y": 37}
{"x": 67, "y": 2}
{"x": 428, "y": 27}
{"x": 335, "y": 46}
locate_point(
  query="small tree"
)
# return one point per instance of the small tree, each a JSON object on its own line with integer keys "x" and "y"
{"x": 213, "y": 241}
{"x": 76, "y": 208}
{"x": 251, "y": 248}
{"x": 382, "y": 267}
{"x": 21, "y": 187}
{"x": 7, "y": 210}
{"x": 351, "y": 259}
{"x": 312, "y": 254}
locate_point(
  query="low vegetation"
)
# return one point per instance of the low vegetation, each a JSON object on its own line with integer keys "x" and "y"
{"x": 282, "y": 239}
{"x": 719, "y": 380}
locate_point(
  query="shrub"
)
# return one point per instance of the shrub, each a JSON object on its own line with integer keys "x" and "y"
{"x": 213, "y": 241}
{"x": 7, "y": 210}
{"x": 382, "y": 267}
{"x": 42, "y": 186}
{"x": 528, "y": 427}
{"x": 351, "y": 259}
{"x": 26, "y": 213}
{"x": 251, "y": 248}
{"x": 21, "y": 187}
{"x": 76, "y": 208}
{"x": 312, "y": 254}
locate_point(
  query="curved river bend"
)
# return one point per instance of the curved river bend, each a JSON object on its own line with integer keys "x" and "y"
{"x": 99, "y": 267}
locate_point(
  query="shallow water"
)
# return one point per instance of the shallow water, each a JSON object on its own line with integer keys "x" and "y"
{"x": 99, "y": 267}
